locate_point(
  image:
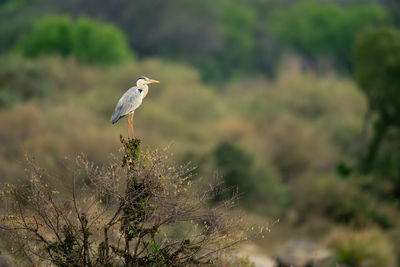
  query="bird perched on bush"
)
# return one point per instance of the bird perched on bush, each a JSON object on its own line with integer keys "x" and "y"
{"x": 130, "y": 101}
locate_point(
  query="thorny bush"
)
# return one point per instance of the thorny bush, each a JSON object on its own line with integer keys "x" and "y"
{"x": 145, "y": 212}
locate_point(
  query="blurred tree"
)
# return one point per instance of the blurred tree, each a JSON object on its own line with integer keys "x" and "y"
{"x": 262, "y": 193}
{"x": 362, "y": 248}
{"x": 224, "y": 39}
{"x": 12, "y": 4}
{"x": 326, "y": 29}
{"x": 238, "y": 32}
{"x": 377, "y": 71}
{"x": 16, "y": 18}
{"x": 88, "y": 40}
{"x": 97, "y": 42}
{"x": 343, "y": 201}
{"x": 21, "y": 80}
{"x": 236, "y": 167}
{"x": 50, "y": 35}
{"x": 176, "y": 27}
{"x": 386, "y": 166}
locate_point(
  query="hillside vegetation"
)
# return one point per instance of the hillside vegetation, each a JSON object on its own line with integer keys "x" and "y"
{"x": 305, "y": 136}
{"x": 293, "y": 105}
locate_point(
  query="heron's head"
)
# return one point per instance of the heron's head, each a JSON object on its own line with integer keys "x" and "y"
{"x": 144, "y": 81}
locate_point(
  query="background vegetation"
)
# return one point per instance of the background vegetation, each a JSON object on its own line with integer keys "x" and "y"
{"x": 294, "y": 103}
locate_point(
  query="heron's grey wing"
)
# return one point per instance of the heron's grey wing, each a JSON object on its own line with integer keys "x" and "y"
{"x": 126, "y": 104}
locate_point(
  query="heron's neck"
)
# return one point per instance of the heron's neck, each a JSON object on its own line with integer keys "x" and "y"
{"x": 145, "y": 89}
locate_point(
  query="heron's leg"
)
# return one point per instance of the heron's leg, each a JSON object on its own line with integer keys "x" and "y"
{"x": 133, "y": 130}
{"x": 129, "y": 127}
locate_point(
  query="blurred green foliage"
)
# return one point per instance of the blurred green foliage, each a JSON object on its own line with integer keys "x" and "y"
{"x": 88, "y": 40}
{"x": 240, "y": 175}
{"x": 236, "y": 167}
{"x": 224, "y": 39}
{"x": 377, "y": 71}
{"x": 325, "y": 29}
{"x": 281, "y": 141}
{"x": 238, "y": 29}
{"x": 16, "y": 18}
{"x": 21, "y": 80}
{"x": 97, "y": 42}
{"x": 50, "y": 35}
{"x": 367, "y": 248}
{"x": 343, "y": 201}
{"x": 243, "y": 261}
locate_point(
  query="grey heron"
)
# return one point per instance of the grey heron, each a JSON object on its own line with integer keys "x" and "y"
{"x": 130, "y": 101}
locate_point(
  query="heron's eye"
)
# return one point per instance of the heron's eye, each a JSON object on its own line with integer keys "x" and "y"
{"x": 140, "y": 90}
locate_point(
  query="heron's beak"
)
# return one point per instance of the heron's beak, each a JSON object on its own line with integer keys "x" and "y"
{"x": 154, "y": 81}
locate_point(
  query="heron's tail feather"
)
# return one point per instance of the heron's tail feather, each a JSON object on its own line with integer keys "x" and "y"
{"x": 114, "y": 120}
{"x": 118, "y": 113}
{"x": 115, "y": 117}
